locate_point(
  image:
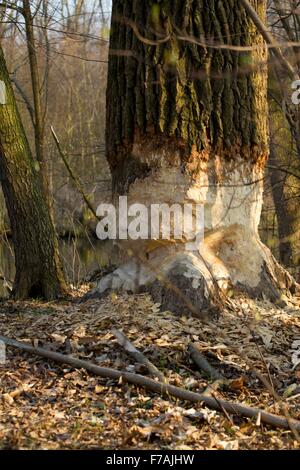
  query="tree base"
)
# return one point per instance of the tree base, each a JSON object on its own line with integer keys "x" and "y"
{"x": 28, "y": 285}
{"x": 231, "y": 255}
{"x": 191, "y": 284}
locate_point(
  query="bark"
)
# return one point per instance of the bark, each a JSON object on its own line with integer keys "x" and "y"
{"x": 38, "y": 269}
{"x": 284, "y": 222}
{"x": 36, "y": 88}
{"x": 291, "y": 112}
{"x": 187, "y": 122}
{"x": 179, "y": 98}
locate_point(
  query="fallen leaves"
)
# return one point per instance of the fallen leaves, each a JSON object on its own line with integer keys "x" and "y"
{"x": 266, "y": 335}
{"x": 227, "y": 445}
{"x": 237, "y": 384}
{"x": 63, "y": 409}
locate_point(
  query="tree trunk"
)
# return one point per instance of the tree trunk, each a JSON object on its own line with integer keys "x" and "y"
{"x": 38, "y": 269}
{"x": 187, "y": 123}
{"x": 284, "y": 222}
{"x": 36, "y": 91}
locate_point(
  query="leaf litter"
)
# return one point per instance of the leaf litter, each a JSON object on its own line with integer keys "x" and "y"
{"x": 44, "y": 405}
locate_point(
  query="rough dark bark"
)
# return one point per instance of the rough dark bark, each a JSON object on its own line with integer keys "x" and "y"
{"x": 38, "y": 269}
{"x": 36, "y": 86}
{"x": 180, "y": 96}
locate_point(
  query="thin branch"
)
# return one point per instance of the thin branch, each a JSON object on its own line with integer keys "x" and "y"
{"x": 25, "y": 99}
{"x": 136, "y": 354}
{"x": 215, "y": 386}
{"x": 72, "y": 175}
{"x": 202, "y": 363}
{"x": 10, "y": 6}
{"x": 283, "y": 170}
{"x": 269, "y": 39}
{"x": 149, "y": 42}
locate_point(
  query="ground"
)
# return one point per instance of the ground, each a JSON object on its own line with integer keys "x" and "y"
{"x": 44, "y": 405}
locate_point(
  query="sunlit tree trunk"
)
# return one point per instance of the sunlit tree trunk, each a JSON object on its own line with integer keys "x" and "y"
{"x": 187, "y": 122}
{"x": 38, "y": 270}
{"x": 36, "y": 90}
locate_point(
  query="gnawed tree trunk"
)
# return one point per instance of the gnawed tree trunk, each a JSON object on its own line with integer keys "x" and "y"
{"x": 38, "y": 269}
{"x": 188, "y": 123}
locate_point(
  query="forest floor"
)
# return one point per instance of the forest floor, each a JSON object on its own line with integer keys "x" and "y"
{"x": 45, "y": 405}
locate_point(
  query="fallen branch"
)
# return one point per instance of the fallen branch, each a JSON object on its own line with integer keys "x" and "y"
{"x": 136, "y": 354}
{"x": 203, "y": 363}
{"x": 158, "y": 387}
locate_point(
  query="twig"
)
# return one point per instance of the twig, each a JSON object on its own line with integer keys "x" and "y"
{"x": 158, "y": 387}
{"x": 149, "y": 42}
{"x": 214, "y": 387}
{"x": 269, "y": 39}
{"x": 136, "y": 354}
{"x": 273, "y": 392}
{"x": 203, "y": 364}
{"x": 72, "y": 175}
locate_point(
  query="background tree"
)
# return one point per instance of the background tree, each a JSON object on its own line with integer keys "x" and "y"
{"x": 71, "y": 52}
{"x": 284, "y": 220}
{"x": 38, "y": 269}
{"x": 39, "y": 115}
{"x": 284, "y": 168}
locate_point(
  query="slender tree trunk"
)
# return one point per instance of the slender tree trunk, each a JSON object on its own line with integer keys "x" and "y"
{"x": 284, "y": 222}
{"x": 187, "y": 122}
{"x": 38, "y": 269}
{"x": 36, "y": 90}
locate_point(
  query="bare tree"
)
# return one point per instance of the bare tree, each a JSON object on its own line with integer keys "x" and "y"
{"x": 38, "y": 269}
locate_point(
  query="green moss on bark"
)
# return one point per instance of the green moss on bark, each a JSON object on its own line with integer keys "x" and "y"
{"x": 38, "y": 269}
